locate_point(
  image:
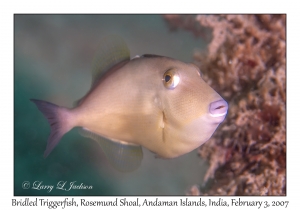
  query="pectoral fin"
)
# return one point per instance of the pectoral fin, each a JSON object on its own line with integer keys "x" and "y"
{"x": 124, "y": 157}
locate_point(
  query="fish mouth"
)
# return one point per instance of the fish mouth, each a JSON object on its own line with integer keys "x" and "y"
{"x": 218, "y": 108}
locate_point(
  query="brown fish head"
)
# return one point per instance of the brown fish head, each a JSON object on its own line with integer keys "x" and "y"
{"x": 192, "y": 110}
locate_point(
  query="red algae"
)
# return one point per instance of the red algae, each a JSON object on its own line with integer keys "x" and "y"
{"x": 245, "y": 62}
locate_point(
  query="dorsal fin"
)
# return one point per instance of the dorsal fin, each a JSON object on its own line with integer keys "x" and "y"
{"x": 151, "y": 56}
{"x": 112, "y": 50}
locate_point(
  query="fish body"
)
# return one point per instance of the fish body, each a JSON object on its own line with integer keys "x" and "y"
{"x": 152, "y": 101}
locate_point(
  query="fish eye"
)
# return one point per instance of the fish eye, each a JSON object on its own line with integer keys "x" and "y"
{"x": 167, "y": 78}
{"x": 171, "y": 79}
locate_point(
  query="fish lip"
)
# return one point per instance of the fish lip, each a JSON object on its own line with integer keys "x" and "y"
{"x": 218, "y": 115}
{"x": 218, "y": 109}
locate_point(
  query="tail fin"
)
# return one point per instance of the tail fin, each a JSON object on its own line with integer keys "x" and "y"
{"x": 59, "y": 120}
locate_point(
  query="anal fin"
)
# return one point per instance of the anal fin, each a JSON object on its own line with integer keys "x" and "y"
{"x": 124, "y": 157}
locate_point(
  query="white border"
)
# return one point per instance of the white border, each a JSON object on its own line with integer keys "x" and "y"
{"x": 8, "y": 8}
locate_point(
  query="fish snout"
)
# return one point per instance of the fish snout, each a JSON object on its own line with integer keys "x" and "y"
{"x": 218, "y": 108}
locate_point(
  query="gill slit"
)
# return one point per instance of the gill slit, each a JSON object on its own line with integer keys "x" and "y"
{"x": 163, "y": 127}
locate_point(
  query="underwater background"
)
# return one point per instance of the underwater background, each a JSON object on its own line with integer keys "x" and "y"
{"x": 242, "y": 57}
{"x": 52, "y": 60}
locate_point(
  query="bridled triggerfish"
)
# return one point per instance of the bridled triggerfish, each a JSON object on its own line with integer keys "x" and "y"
{"x": 152, "y": 101}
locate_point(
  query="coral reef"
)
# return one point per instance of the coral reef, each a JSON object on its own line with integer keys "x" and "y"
{"x": 246, "y": 63}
